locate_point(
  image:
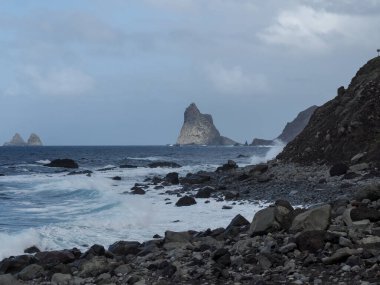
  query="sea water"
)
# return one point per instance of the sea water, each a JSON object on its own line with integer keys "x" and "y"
{"x": 47, "y": 208}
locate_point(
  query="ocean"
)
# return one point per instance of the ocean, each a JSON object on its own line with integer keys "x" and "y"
{"x": 45, "y": 207}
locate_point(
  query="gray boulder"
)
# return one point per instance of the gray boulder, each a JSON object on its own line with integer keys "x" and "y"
{"x": 313, "y": 219}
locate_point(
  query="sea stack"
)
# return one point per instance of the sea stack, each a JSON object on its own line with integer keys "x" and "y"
{"x": 34, "y": 140}
{"x": 291, "y": 129}
{"x": 345, "y": 129}
{"x": 16, "y": 140}
{"x": 199, "y": 129}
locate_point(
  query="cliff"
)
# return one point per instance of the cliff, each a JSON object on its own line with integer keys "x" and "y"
{"x": 199, "y": 129}
{"x": 344, "y": 127}
{"x": 291, "y": 130}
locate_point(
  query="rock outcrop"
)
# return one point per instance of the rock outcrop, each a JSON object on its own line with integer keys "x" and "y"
{"x": 345, "y": 129}
{"x": 199, "y": 129}
{"x": 17, "y": 140}
{"x": 34, "y": 140}
{"x": 291, "y": 129}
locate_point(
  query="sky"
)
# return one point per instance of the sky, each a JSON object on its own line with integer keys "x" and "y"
{"x": 122, "y": 72}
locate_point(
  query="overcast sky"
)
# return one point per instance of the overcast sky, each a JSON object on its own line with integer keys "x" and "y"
{"x": 102, "y": 72}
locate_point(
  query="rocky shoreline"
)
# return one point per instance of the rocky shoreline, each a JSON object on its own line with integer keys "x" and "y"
{"x": 334, "y": 241}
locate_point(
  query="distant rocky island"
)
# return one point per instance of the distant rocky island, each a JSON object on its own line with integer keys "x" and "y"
{"x": 199, "y": 129}
{"x": 17, "y": 140}
{"x": 291, "y": 129}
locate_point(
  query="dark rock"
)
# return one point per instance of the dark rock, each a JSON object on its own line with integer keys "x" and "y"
{"x": 350, "y": 175}
{"x": 362, "y": 213}
{"x": 185, "y": 201}
{"x": 138, "y": 191}
{"x": 311, "y": 241}
{"x": 52, "y": 258}
{"x": 117, "y": 178}
{"x": 371, "y": 192}
{"x": 259, "y": 169}
{"x": 226, "y": 207}
{"x": 238, "y": 221}
{"x": 128, "y": 166}
{"x": 338, "y": 169}
{"x": 125, "y": 247}
{"x": 95, "y": 250}
{"x": 16, "y": 264}
{"x": 32, "y": 249}
{"x": 168, "y": 271}
{"x": 31, "y": 272}
{"x": 166, "y": 164}
{"x": 231, "y": 195}
{"x": 230, "y": 165}
{"x": 205, "y": 192}
{"x": 195, "y": 179}
{"x": 157, "y": 236}
{"x": 172, "y": 178}
{"x": 85, "y": 172}
{"x": 65, "y": 163}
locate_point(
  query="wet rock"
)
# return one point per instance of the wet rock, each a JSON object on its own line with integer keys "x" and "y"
{"x": 125, "y": 247}
{"x": 226, "y": 207}
{"x": 193, "y": 179}
{"x": 137, "y": 191}
{"x": 94, "y": 267}
{"x": 32, "y": 249}
{"x": 205, "y": 192}
{"x": 81, "y": 172}
{"x": 163, "y": 164}
{"x": 313, "y": 219}
{"x": 230, "y": 165}
{"x": 64, "y": 163}
{"x": 95, "y": 250}
{"x": 338, "y": 169}
{"x": 172, "y": 178}
{"x": 231, "y": 195}
{"x": 117, "y": 178}
{"x": 185, "y": 201}
{"x": 128, "y": 166}
{"x": 364, "y": 213}
{"x": 171, "y": 236}
{"x": 55, "y": 257}
{"x": 259, "y": 169}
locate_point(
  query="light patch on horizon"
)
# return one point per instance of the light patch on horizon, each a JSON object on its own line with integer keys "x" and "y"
{"x": 60, "y": 82}
{"x": 308, "y": 29}
{"x": 235, "y": 81}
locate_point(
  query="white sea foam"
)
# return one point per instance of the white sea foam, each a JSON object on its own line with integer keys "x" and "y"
{"x": 43, "y": 161}
{"x": 270, "y": 154}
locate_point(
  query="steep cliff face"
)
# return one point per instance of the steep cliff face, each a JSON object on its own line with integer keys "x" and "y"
{"x": 347, "y": 125}
{"x": 34, "y": 140}
{"x": 199, "y": 129}
{"x": 291, "y": 129}
{"x": 16, "y": 140}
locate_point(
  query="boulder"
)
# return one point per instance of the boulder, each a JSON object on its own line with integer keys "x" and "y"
{"x": 171, "y": 236}
{"x": 230, "y": 165}
{"x": 137, "y": 191}
{"x": 371, "y": 192}
{"x": 172, "y": 178}
{"x": 341, "y": 255}
{"x": 238, "y": 221}
{"x": 311, "y": 241}
{"x": 125, "y": 247}
{"x": 8, "y": 279}
{"x": 205, "y": 192}
{"x": 264, "y": 221}
{"x": 52, "y": 258}
{"x": 338, "y": 169}
{"x": 15, "y": 264}
{"x": 195, "y": 179}
{"x": 364, "y": 213}
{"x": 163, "y": 164}
{"x": 259, "y": 169}
{"x": 30, "y": 272}
{"x": 117, "y": 178}
{"x": 313, "y": 219}
{"x": 185, "y": 201}
{"x": 32, "y": 249}
{"x": 64, "y": 163}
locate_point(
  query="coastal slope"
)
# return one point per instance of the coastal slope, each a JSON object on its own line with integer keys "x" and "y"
{"x": 346, "y": 126}
{"x": 199, "y": 129}
{"x": 291, "y": 130}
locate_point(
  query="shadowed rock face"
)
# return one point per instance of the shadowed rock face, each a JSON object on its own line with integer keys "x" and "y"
{"x": 34, "y": 140}
{"x": 291, "y": 129}
{"x": 17, "y": 140}
{"x": 347, "y": 125}
{"x": 199, "y": 129}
